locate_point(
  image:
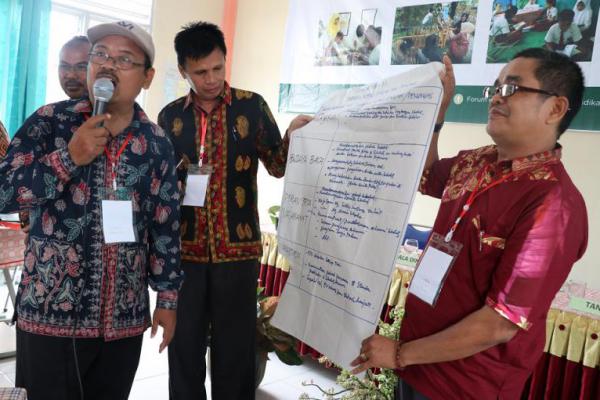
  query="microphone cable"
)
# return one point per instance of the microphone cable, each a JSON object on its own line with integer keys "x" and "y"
{"x": 84, "y": 275}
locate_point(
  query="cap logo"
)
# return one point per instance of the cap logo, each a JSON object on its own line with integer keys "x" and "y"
{"x": 126, "y": 25}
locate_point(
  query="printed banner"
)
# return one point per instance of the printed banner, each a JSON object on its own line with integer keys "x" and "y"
{"x": 336, "y": 44}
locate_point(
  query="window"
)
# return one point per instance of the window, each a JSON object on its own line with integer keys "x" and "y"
{"x": 70, "y": 18}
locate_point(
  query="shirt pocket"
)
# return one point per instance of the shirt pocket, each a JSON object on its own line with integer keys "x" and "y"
{"x": 486, "y": 239}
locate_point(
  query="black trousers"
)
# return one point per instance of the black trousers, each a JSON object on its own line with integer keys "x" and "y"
{"x": 46, "y": 367}
{"x": 220, "y": 298}
{"x": 406, "y": 392}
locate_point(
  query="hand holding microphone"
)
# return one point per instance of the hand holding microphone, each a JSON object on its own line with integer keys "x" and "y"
{"x": 89, "y": 139}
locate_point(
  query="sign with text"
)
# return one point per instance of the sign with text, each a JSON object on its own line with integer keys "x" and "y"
{"x": 350, "y": 182}
{"x": 331, "y": 45}
{"x": 585, "y": 306}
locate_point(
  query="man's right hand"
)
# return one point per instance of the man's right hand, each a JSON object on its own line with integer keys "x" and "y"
{"x": 88, "y": 141}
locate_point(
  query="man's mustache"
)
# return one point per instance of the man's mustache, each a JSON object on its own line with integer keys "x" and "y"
{"x": 73, "y": 82}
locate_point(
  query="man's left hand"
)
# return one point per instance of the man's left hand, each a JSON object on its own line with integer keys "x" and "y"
{"x": 449, "y": 84}
{"x": 166, "y": 319}
{"x": 299, "y": 122}
{"x": 376, "y": 351}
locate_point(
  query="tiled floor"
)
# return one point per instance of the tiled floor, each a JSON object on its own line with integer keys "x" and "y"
{"x": 281, "y": 382}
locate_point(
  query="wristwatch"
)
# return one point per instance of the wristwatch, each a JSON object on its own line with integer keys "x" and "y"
{"x": 438, "y": 127}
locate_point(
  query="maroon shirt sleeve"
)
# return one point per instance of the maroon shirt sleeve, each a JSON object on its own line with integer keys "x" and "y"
{"x": 434, "y": 179}
{"x": 539, "y": 254}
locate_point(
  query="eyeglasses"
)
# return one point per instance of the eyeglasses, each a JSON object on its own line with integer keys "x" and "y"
{"x": 77, "y": 68}
{"x": 121, "y": 62}
{"x": 508, "y": 89}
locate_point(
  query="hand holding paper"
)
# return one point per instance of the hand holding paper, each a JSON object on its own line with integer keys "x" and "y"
{"x": 449, "y": 85}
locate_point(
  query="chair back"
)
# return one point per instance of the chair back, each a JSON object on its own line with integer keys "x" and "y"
{"x": 419, "y": 232}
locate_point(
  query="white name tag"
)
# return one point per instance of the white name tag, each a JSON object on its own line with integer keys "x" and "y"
{"x": 195, "y": 190}
{"x": 433, "y": 267}
{"x": 117, "y": 221}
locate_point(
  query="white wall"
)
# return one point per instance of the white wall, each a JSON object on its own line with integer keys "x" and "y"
{"x": 257, "y": 59}
{"x": 168, "y": 16}
{"x": 256, "y": 66}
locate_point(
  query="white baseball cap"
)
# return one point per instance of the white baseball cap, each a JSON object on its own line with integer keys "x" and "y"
{"x": 124, "y": 28}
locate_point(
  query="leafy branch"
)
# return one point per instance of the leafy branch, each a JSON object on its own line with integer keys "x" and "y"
{"x": 374, "y": 386}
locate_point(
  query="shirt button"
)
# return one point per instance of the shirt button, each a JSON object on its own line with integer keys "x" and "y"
{"x": 561, "y": 327}
{"x": 594, "y": 336}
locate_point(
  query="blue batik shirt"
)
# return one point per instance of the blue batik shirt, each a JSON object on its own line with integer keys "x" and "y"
{"x": 73, "y": 284}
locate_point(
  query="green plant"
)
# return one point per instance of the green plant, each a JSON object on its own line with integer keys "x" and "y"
{"x": 380, "y": 386}
{"x": 274, "y": 214}
{"x": 269, "y": 338}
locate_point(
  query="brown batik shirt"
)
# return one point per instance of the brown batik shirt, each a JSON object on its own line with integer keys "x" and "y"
{"x": 241, "y": 130}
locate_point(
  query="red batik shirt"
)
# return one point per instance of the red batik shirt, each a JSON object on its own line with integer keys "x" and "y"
{"x": 520, "y": 241}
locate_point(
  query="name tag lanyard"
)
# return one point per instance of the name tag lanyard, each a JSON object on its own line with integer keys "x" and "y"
{"x": 474, "y": 194}
{"x": 196, "y": 183}
{"x": 203, "y": 168}
{"x": 117, "y": 215}
{"x": 115, "y": 162}
{"x": 202, "y": 132}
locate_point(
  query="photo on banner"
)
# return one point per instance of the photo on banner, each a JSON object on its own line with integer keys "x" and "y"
{"x": 424, "y": 33}
{"x": 565, "y": 26}
{"x": 344, "y": 39}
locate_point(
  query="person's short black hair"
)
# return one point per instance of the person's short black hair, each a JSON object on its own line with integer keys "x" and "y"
{"x": 147, "y": 63}
{"x": 360, "y": 30}
{"x": 406, "y": 44}
{"x": 432, "y": 40}
{"x": 76, "y": 40}
{"x": 340, "y": 35}
{"x": 566, "y": 16}
{"x": 198, "y": 40}
{"x": 559, "y": 74}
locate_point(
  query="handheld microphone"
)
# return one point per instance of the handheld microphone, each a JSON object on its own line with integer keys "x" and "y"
{"x": 103, "y": 92}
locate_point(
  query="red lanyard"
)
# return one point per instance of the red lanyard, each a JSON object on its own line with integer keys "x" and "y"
{"x": 115, "y": 162}
{"x": 474, "y": 194}
{"x": 202, "y": 133}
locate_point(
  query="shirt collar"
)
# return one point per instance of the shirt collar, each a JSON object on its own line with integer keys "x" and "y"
{"x": 224, "y": 96}
{"x": 531, "y": 161}
{"x": 537, "y": 160}
{"x": 84, "y": 106}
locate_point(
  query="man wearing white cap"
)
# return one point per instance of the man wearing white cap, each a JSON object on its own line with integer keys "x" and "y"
{"x": 101, "y": 192}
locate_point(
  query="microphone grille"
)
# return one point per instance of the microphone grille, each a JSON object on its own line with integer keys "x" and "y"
{"x": 103, "y": 89}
